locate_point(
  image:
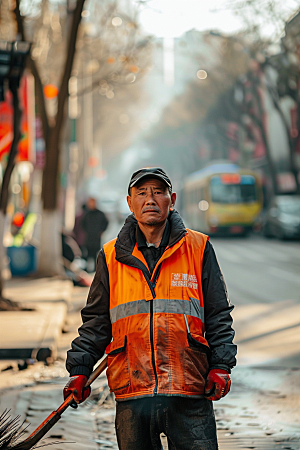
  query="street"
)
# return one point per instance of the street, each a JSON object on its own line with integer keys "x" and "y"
{"x": 263, "y": 283}
{"x": 259, "y": 270}
{"x": 262, "y": 277}
{"x": 262, "y": 408}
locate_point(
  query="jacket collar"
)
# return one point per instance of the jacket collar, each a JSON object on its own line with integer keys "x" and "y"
{"x": 126, "y": 239}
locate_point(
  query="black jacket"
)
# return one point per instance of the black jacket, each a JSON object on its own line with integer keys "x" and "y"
{"x": 95, "y": 333}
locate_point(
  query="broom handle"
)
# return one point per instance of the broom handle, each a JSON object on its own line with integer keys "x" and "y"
{"x": 95, "y": 374}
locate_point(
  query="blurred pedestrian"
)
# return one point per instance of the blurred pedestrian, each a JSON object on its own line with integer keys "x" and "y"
{"x": 158, "y": 306}
{"x": 94, "y": 223}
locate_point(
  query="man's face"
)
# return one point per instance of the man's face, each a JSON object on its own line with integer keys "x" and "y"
{"x": 150, "y": 201}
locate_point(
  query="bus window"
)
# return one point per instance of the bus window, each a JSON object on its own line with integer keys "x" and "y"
{"x": 228, "y": 192}
{"x": 248, "y": 189}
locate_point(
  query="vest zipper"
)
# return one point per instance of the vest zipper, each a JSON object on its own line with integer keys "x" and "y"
{"x": 153, "y": 284}
{"x": 152, "y": 347}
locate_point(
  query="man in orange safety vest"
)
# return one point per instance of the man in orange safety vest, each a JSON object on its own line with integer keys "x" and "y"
{"x": 158, "y": 306}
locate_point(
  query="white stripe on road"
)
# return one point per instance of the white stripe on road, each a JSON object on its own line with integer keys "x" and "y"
{"x": 258, "y": 253}
{"x": 254, "y": 256}
{"x": 288, "y": 247}
{"x": 288, "y": 276}
{"x": 228, "y": 255}
{"x": 238, "y": 254}
{"x": 272, "y": 254}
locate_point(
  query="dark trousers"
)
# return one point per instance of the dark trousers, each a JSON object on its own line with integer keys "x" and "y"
{"x": 188, "y": 423}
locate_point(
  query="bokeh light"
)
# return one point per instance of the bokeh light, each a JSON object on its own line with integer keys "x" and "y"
{"x": 117, "y": 21}
{"x": 50, "y": 91}
{"x": 201, "y": 74}
{"x": 203, "y": 205}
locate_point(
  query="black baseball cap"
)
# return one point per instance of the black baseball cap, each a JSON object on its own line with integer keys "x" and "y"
{"x": 152, "y": 172}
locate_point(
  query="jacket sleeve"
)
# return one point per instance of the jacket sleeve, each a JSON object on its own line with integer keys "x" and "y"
{"x": 217, "y": 308}
{"x": 95, "y": 332}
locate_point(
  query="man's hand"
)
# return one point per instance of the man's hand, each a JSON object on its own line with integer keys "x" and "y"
{"x": 217, "y": 384}
{"x": 76, "y": 386}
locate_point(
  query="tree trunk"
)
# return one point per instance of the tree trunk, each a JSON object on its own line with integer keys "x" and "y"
{"x": 271, "y": 166}
{"x": 51, "y": 238}
{"x": 50, "y": 187}
{"x": 50, "y": 174}
{"x": 50, "y": 260}
{"x": 259, "y": 121}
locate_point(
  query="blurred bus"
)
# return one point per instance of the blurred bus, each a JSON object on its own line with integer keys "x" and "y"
{"x": 222, "y": 199}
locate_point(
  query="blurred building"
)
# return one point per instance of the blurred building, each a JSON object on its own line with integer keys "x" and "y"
{"x": 175, "y": 63}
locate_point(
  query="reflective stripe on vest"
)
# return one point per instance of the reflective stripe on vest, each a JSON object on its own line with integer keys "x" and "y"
{"x": 158, "y": 344}
{"x": 162, "y": 305}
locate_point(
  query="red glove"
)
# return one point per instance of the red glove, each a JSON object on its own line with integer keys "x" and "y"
{"x": 217, "y": 384}
{"x": 76, "y": 386}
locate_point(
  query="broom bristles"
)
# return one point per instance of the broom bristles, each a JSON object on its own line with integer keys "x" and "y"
{"x": 10, "y": 430}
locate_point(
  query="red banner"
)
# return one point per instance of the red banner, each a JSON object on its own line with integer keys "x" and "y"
{"x": 26, "y": 148}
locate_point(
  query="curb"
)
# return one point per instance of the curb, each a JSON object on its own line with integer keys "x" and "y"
{"x": 32, "y": 334}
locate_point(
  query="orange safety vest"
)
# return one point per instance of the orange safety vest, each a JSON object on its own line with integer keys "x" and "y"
{"x": 158, "y": 345}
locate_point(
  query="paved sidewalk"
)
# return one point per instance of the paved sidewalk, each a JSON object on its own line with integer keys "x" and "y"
{"x": 87, "y": 427}
{"x": 262, "y": 410}
{"x": 34, "y": 333}
{"x": 26, "y": 290}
